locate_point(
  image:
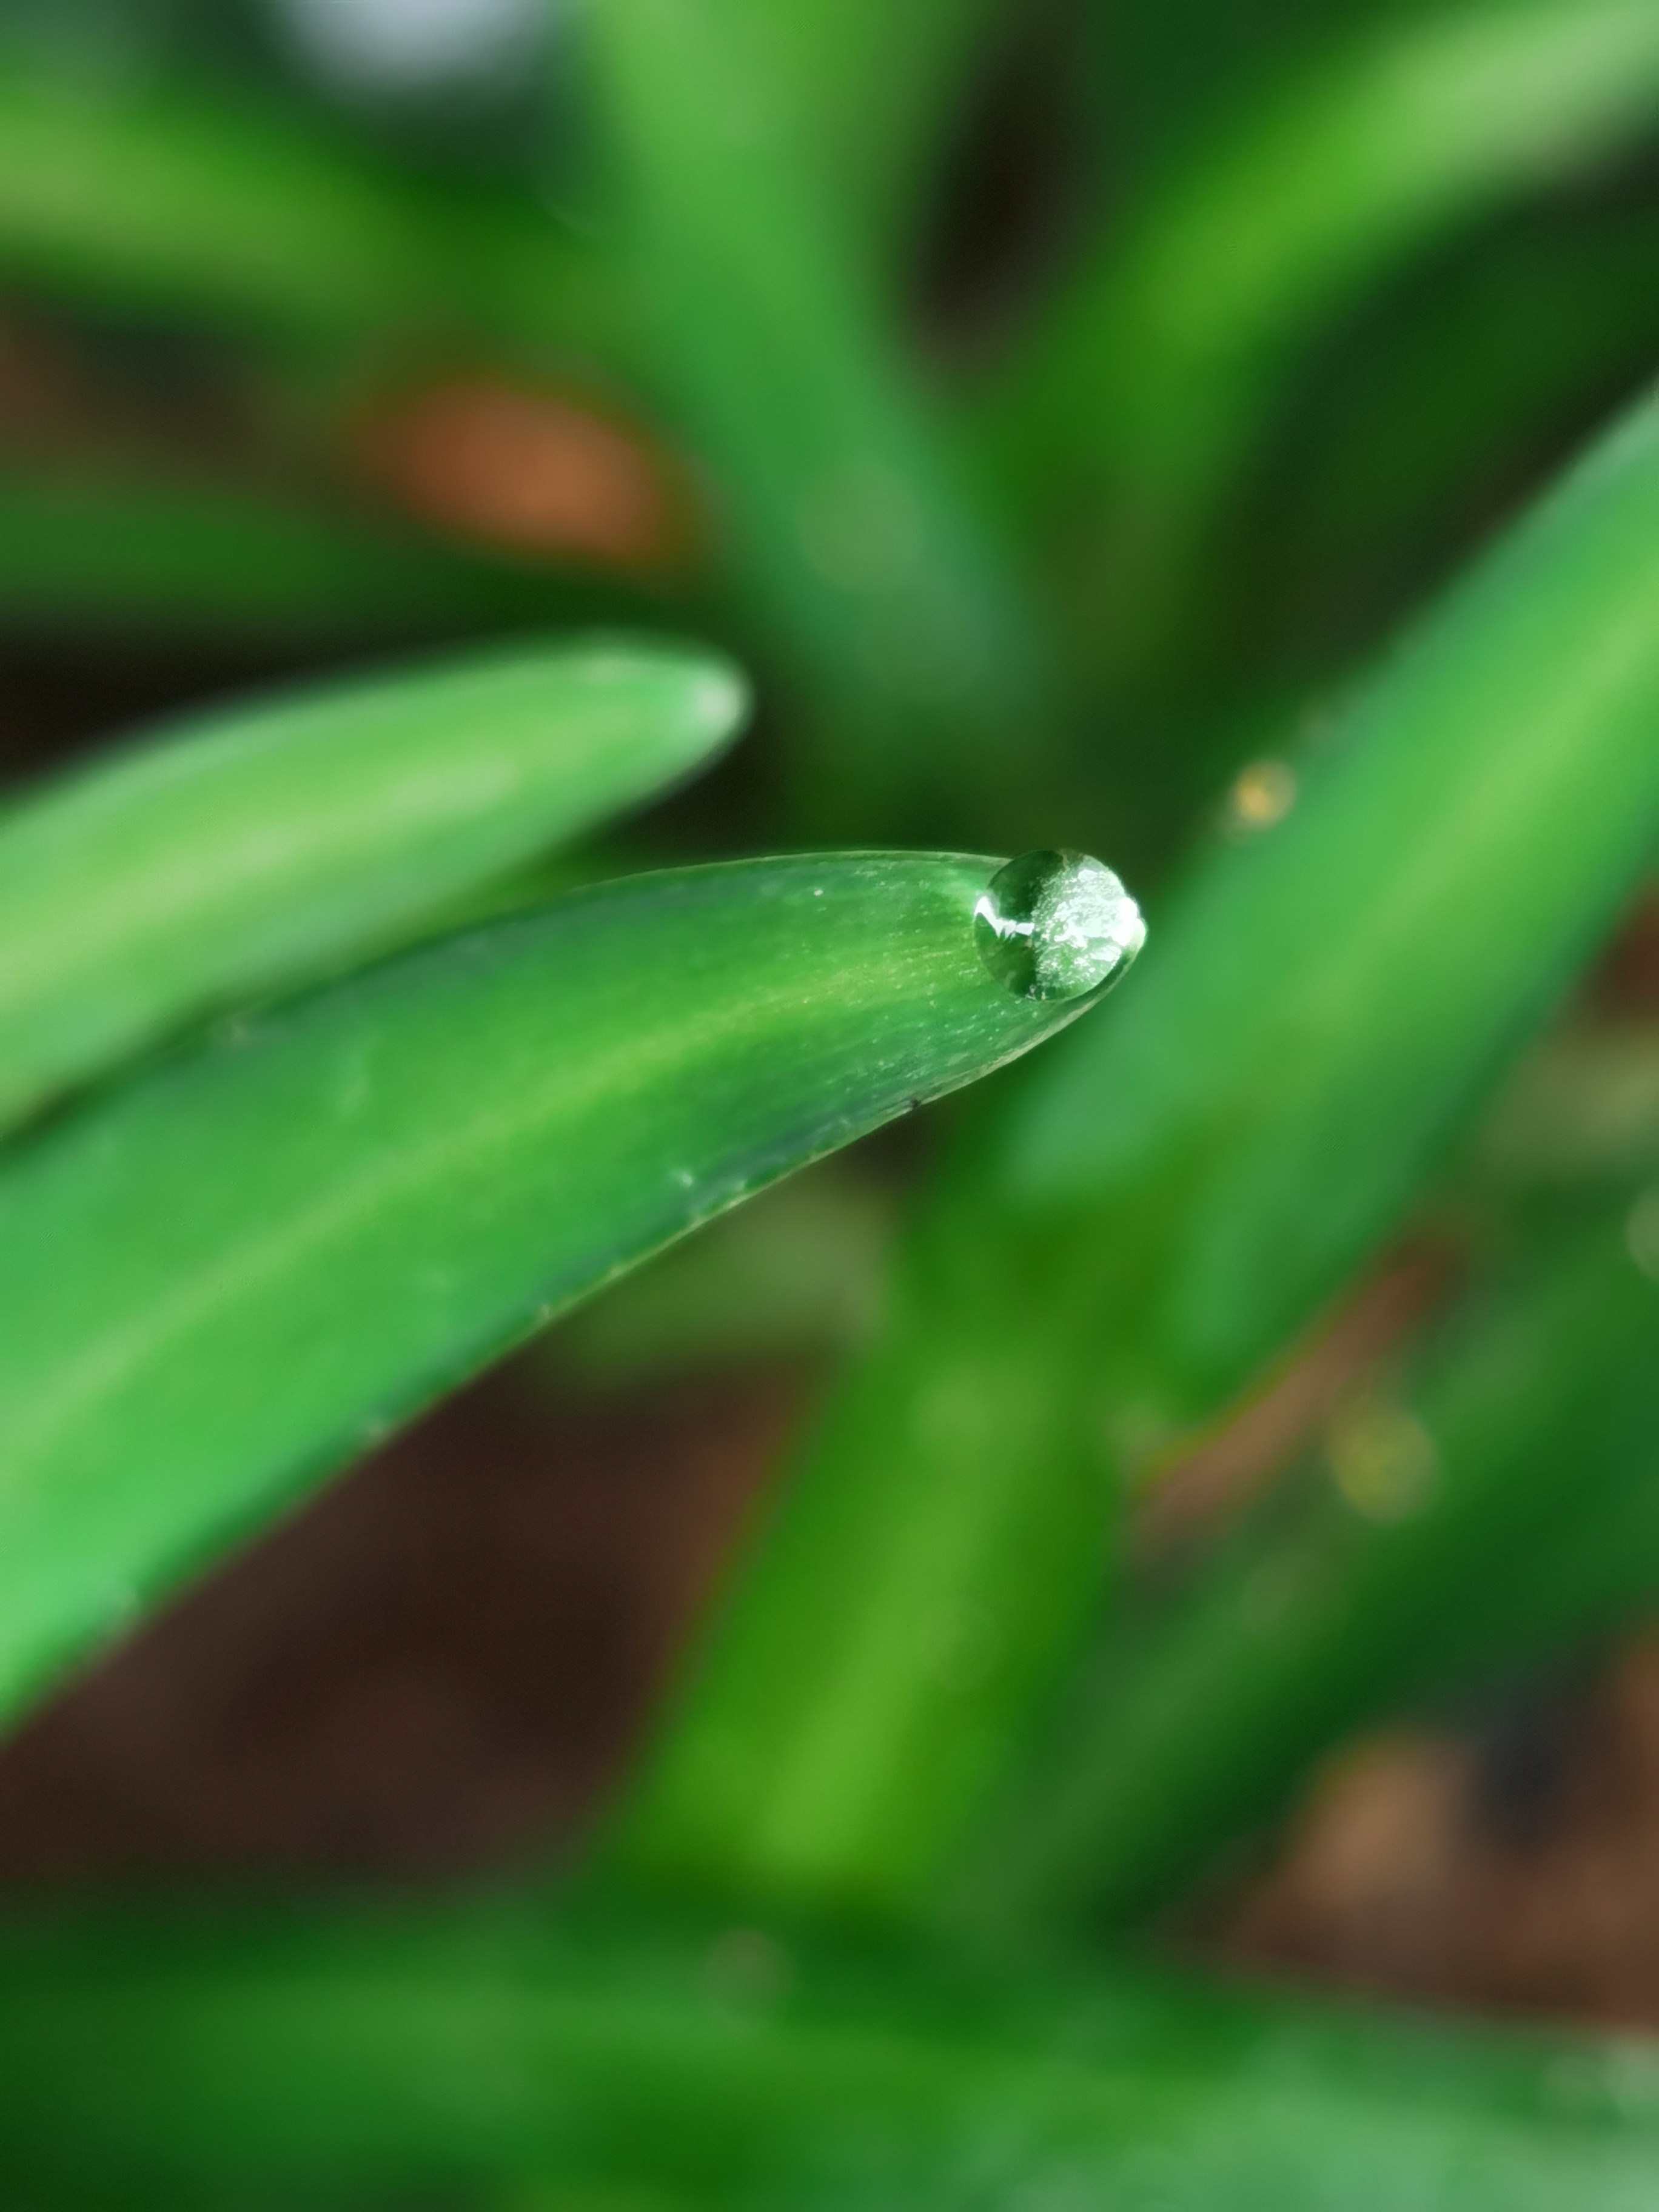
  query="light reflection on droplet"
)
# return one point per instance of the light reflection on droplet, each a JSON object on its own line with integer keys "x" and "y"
{"x": 1057, "y": 925}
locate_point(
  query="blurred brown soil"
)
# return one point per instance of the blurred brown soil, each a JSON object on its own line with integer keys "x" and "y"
{"x": 442, "y": 1665}
{"x": 536, "y": 472}
{"x": 1509, "y": 1867}
{"x": 435, "y": 1668}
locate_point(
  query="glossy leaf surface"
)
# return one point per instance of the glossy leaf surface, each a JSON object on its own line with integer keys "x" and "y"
{"x": 271, "y": 839}
{"x": 223, "y": 1280}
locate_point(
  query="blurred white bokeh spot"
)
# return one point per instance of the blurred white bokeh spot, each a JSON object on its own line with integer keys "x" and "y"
{"x": 398, "y": 45}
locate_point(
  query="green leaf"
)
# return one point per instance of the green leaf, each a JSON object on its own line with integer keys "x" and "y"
{"x": 879, "y": 587}
{"x": 1428, "y": 406}
{"x": 742, "y": 2067}
{"x": 1165, "y": 1204}
{"x": 123, "y": 186}
{"x": 223, "y": 1280}
{"x": 1509, "y": 1507}
{"x": 877, "y": 90}
{"x": 1146, "y": 383}
{"x": 1335, "y": 995}
{"x": 144, "y": 553}
{"x": 270, "y": 840}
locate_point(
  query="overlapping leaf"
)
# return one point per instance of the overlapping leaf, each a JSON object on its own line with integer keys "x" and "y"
{"x": 1169, "y": 1201}
{"x": 857, "y": 550}
{"x": 222, "y": 1281}
{"x": 744, "y": 2068}
{"x": 279, "y": 838}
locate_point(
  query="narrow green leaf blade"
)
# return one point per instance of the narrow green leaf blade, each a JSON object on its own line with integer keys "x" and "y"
{"x": 142, "y": 553}
{"x": 226, "y": 1278}
{"x": 132, "y": 188}
{"x": 1333, "y": 998}
{"x": 858, "y": 549}
{"x": 1165, "y": 1204}
{"x": 878, "y": 92}
{"x": 748, "y": 2068}
{"x": 1139, "y": 393}
{"x": 270, "y": 840}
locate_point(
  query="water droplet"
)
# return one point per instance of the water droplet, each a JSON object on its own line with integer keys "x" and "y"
{"x": 1056, "y": 925}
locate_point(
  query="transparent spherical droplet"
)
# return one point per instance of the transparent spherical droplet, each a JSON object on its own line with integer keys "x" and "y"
{"x": 1056, "y": 925}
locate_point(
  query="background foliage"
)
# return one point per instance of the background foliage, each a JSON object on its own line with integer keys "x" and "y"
{"x": 1212, "y": 437}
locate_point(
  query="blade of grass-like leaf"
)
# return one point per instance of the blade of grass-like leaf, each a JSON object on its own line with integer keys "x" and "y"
{"x": 1173, "y": 70}
{"x": 147, "y": 554}
{"x": 221, "y": 1281}
{"x": 915, "y": 653}
{"x": 271, "y": 839}
{"x": 1446, "y": 391}
{"x": 746, "y": 2070}
{"x": 1150, "y": 376}
{"x": 1337, "y": 994}
{"x": 131, "y": 189}
{"x": 1166, "y": 1203}
{"x": 1525, "y": 1514}
{"x": 877, "y": 89}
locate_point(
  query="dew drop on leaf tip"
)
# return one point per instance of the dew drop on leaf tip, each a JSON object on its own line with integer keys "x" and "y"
{"x": 1056, "y": 925}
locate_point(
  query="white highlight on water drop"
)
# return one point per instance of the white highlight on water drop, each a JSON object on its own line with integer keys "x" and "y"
{"x": 1057, "y": 925}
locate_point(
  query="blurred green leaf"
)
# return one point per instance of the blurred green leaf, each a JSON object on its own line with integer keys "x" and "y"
{"x": 1412, "y": 423}
{"x": 132, "y": 553}
{"x": 1334, "y": 993}
{"x": 877, "y": 88}
{"x": 1586, "y": 1106}
{"x": 1511, "y": 1506}
{"x": 913, "y": 653}
{"x": 227, "y": 1278}
{"x": 1168, "y": 72}
{"x": 125, "y": 187}
{"x": 1167, "y": 1202}
{"x": 1133, "y": 402}
{"x": 795, "y": 1274}
{"x": 271, "y": 839}
{"x": 740, "y": 2066}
